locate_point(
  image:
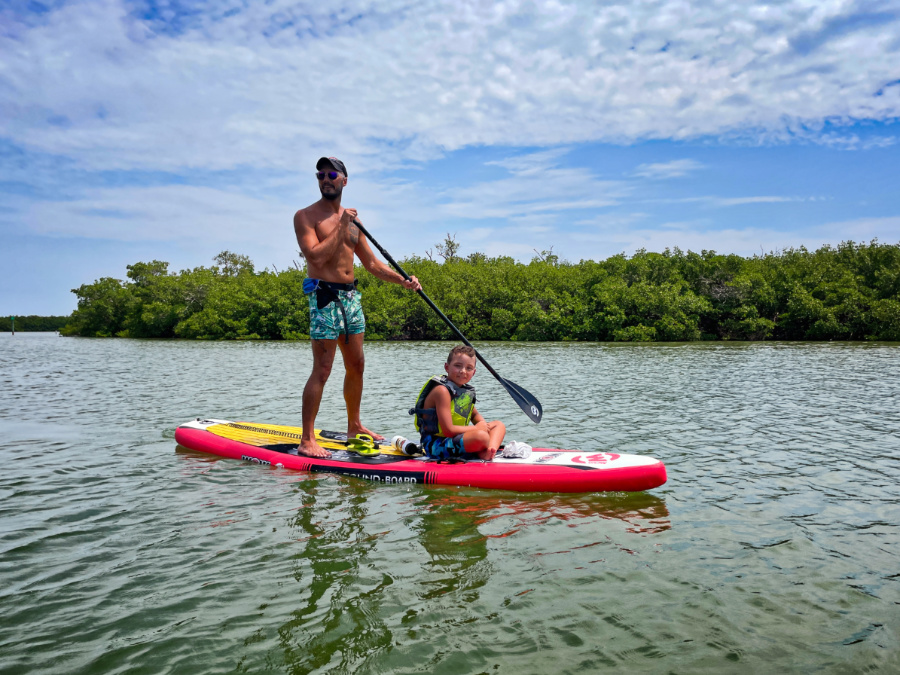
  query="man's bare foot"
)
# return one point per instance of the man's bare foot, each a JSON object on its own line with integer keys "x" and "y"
{"x": 353, "y": 432}
{"x": 313, "y": 449}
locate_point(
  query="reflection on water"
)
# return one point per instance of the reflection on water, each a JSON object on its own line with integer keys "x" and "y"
{"x": 336, "y": 620}
{"x": 643, "y": 512}
{"x": 375, "y": 590}
{"x": 772, "y": 548}
{"x": 456, "y": 550}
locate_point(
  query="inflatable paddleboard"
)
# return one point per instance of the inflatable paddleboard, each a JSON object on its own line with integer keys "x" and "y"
{"x": 546, "y": 470}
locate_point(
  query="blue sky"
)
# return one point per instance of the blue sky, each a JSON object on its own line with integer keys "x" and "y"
{"x": 133, "y": 131}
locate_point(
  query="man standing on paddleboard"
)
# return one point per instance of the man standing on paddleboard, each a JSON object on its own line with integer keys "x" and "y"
{"x": 329, "y": 240}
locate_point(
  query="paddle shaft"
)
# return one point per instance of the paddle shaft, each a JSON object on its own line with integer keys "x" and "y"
{"x": 421, "y": 293}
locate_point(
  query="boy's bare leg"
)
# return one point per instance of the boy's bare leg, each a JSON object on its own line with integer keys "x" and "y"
{"x": 497, "y": 431}
{"x": 354, "y": 364}
{"x": 323, "y": 359}
{"x": 484, "y": 440}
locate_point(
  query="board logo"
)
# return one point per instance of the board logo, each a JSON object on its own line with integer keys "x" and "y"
{"x": 254, "y": 460}
{"x": 534, "y": 410}
{"x": 380, "y": 478}
{"x": 598, "y": 458}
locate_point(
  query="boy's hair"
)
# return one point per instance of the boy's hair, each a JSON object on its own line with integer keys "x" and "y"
{"x": 461, "y": 349}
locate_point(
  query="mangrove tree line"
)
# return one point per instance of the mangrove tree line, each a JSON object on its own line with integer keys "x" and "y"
{"x": 847, "y": 292}
{"x": 33, "y": 323}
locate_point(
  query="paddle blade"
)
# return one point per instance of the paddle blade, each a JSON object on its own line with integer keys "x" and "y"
{"x": 527, "y": 402}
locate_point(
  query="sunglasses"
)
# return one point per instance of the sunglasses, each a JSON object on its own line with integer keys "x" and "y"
{"x": 331, "y": 174}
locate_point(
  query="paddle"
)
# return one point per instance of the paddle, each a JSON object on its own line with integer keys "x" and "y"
{"x": 527, "y": 402}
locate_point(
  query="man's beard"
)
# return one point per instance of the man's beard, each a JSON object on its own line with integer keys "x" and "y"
{"x": 331, "y": 196}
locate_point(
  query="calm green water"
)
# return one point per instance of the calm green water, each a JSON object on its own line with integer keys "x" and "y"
{"x": 774, "y": 547}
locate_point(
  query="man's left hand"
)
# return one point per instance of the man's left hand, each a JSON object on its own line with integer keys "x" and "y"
{"x": 412, "y": 285}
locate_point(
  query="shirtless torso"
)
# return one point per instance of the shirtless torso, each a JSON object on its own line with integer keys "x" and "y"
{"x": 328, "y": 241}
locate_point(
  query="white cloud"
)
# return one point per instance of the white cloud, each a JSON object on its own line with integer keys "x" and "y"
{"x": 163, "y": 213}
{"x": 228, "y": 217}
{"x": 531, "y": 163}
{"x": 714, "y": 201}
{"x": 887, "y": 230}
{"x": 537, "y": 189}
{"x": 741, "y": 201}
{"x": 674, "y": 169}
{"x": 272, "y": 84}
{"x": 698, "y": 235}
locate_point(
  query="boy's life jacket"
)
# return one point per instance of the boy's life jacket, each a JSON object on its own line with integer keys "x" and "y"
{"x": 462, "y": 405}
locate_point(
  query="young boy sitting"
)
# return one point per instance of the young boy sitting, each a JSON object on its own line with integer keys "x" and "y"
{"x": 445, "y": 408}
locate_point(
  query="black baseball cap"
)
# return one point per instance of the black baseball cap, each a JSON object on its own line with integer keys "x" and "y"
{"x": 334, "y": 161}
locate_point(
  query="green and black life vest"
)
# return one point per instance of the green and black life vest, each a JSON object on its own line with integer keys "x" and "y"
{"x": 462, "y": 405}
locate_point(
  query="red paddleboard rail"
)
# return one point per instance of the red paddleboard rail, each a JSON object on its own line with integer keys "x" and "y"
{"x": 497, "y": 475}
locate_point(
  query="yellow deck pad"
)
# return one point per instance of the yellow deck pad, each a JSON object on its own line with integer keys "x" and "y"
{"x": 260, "y": 435}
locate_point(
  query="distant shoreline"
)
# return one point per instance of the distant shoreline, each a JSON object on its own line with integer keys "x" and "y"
{"x": 848, "y": 292}
{"x": 34, "y": 324}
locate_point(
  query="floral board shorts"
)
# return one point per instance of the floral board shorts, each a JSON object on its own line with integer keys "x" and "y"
{"x": 328, "y": 323}
{"x": 443, "y": 447}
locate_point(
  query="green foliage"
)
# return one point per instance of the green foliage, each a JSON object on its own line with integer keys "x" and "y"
{"x": 263, "y": 306}
{"x": 102, "y": 307}
{"x": 33, "y": 324}
{"x": 848, "y": 292}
